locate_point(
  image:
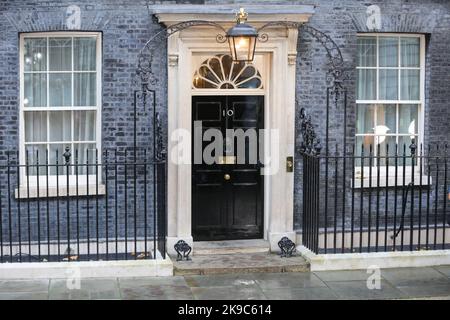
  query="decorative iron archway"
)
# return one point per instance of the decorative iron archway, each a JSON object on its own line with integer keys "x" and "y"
{"x": 146, "y": 81}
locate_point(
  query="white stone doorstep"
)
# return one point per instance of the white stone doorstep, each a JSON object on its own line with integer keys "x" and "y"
{"x": 86, "y": 269}
{"x": 362, "y": 261}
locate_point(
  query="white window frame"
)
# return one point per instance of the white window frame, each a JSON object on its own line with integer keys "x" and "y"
{"x": 421, "y": 115}
{"x": 82, "y": 178}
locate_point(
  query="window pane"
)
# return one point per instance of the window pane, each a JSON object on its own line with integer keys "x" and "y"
{"x": 386, "y": 119}
{"x": 35, "y": 126}
{"x": 363, "y": 143}
{"x": 388, "y": 84}
{"x": 84, "y": 54}
{"x": 36, "y": 152}
{"x": 404, "y": 142}
{"x": 365, "y": 118}
{"x": 35, "y": 55}
{"x": 56, "y": 153}
{"x": 85, "y": 152}
{"x": 386, "y": 147}
{"x": 366, "y": 84}
{"x": 85, "y": 89}
{"x": 410, "y": 52}
{"x": 388, "y": 51}
{"x": 408, "y": 115}
{"x": 60, "y": 125}
{"x": 367, "y": 51}
{"x": 410, "y": 82}
{"x": 60, "y": 55}
{"x": 84, "y": 125}
{"x": 60, "y": 89}
{"x": 35, "y": 90}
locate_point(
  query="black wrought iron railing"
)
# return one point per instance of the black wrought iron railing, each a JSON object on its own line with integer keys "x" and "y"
{"x": 396, "y": 199}
{"x": 88, "y": 205}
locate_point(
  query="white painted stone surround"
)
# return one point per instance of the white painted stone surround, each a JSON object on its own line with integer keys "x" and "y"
{"x": 280, "y": 54}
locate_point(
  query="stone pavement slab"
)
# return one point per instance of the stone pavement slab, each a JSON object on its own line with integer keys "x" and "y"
{"x": 425, "y": 290}
{"x": 344, "y": 275}
{"x": 89, "y": 289}
{"x": 414, "y": 276}
{"x": 358, "y": 290}
{"x": 445, "y": 270}
{"x": 319, "y": 293}
{"x": 288, "y": 280}
{"x": 153, "y": 288}
{"x": 241, "y": 292}
{"x": 8, "y": 286}
{"x": 403, "y": 283}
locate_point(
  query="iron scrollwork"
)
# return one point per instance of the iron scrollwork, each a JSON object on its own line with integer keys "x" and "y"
{"x": 287, "y": 247}
{"x": 183, "y": 250}
{"x": 311, "y": 144}
{"x": 336, "y": 73}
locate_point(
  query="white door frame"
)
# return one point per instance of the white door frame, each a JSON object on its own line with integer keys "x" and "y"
{"x": 280, "y": 52}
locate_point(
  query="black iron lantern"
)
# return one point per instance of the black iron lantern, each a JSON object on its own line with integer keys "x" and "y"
{"x": 242, "y": 39}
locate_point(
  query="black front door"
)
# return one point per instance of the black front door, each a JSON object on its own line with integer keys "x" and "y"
{"x": 227, "y": 196}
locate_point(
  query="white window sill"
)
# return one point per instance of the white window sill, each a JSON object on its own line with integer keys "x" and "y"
{"x": 61, "y": 192}
{"x": 390, "y": 181}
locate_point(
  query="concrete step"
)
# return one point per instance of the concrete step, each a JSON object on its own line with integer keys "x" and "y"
{"x": 239, "y": 263}
{"x": 231, "y": 247}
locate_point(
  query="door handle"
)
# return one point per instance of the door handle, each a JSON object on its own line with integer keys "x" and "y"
{"x": 227, "y": 177}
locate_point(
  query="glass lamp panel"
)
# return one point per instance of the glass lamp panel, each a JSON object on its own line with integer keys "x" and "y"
{"x": 60, "y": 54}
{"x": 60, "y": 126}
{"x": 35, "y": 126}
{"x": 35, "y": 54}
{"x": 388, "y": 51}
{"x": 35, "y": 90}
{"x": 367, "y": 50}
{"x": 60, "y": 89}
{"x": 365, "y": 118}
{"x": 388, "y": 84}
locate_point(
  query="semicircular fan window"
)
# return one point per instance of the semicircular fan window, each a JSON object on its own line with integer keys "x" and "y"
{"x": 219, "y": 72}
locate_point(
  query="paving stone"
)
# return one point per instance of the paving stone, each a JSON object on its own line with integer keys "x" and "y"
{"x": 152, "y": 281}
{"x": 414, "y": 276}
{"x": 426, "y": 290}
{"x": 220, "y": 280}
{"x": 248, "y": 292}
{"x": 155, "y": 288}
{"x": 8, "y": 286}
{"x": 358, "y": 290}
{"x": 288, "y": 280}
{"x": 89, "y": 289}
{"x": 345, "y": 275}
{"x": 445, "y": 270}
{"x": 24, "y": 295}
{"x": 157, "y": 292}
{"x": 322, "y": 293}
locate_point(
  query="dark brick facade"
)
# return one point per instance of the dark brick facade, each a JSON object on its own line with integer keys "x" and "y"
{"x": 126, "y": 25}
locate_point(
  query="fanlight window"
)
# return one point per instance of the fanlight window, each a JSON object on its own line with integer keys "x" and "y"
{"x": 219, "y": 72}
